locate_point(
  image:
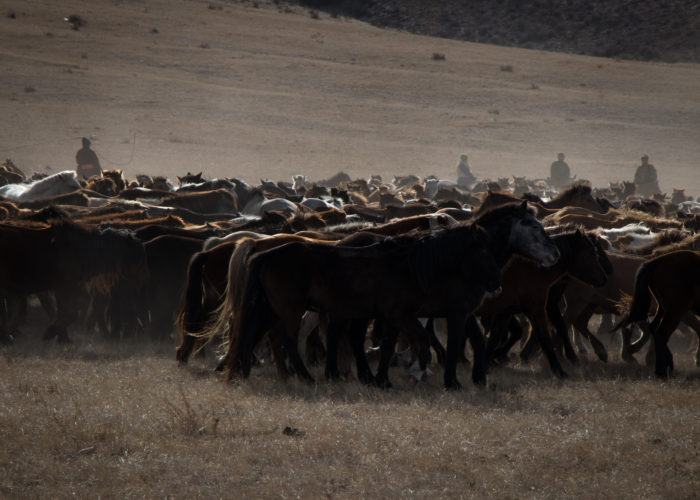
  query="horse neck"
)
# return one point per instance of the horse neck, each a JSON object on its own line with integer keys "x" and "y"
{"x": 559, "y": 201}
{"x": 563, "y": 243}
{"x": 499, "y": 234}
{"x": 93, "y": 253}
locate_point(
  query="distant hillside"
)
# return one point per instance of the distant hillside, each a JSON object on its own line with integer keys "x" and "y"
{"x": 663, "y": 30}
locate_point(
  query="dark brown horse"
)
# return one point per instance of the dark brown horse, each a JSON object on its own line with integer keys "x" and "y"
{"x": 526, "y": 286}
{"x": 398, "y": 279}
{"x": 673, "y": 280}
{"x": 65, "y": 258}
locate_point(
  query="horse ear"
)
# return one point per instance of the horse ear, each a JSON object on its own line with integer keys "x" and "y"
{"x": 199, "y": 174}
{"x": 523, "y": 206}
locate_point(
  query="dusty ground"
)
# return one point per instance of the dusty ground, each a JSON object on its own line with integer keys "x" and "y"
{"x": 102, "y": 420}
{"x": 166, "y": 87}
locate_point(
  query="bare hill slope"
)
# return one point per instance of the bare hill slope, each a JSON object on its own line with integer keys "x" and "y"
{"x": 234, "y": 90}
{"x": 644, "y": 29}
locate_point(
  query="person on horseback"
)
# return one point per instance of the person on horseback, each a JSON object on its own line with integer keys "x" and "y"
{"x": 559, "y": 172}
{"x": 645, "y": 178}
{"x": 88, "y": 163}
{"x": 465, "y": 177}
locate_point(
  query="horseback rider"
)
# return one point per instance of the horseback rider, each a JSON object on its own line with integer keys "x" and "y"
{"x": 465, "y": 177}
{"x": 559, "y": 172}
{"x": 88, "y": 163}
{"x": 645, "y": 178}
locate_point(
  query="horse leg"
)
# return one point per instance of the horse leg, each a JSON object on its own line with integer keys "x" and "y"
{"x": 478, "y": 343}
{"x": 279, "y": 354}
{"x": 606, "y": 324}
{"x": 435, "y": 342}
{"x": 693, "y": 322}
{"x": 581, "y": 324}
{"x": 626, "y": 349}
{"x": 497, "y": 344}
{"x": 419, "y": 343}
{"x": 530, "y": 348}
{"x": 67, "y": 313}
{"x": 5, "y": 336}
{"x": 48, "y": 304}
{"x": 664, "y": 357}
{"x": 540, "y": 331}
{"x": 334, "y": 330}
{"x": 309, "y": 322}
{"x": 387, "y": 336}
{"x": 289, "y": 338}
{"x": 562, "y": 332}
{"x": 456, "y": 340}
{"x": 356, "y": 334}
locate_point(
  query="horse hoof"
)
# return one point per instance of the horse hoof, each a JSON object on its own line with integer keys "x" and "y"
{"x": 452, "y": 385}
{"x": 628, "y": 357}
{"x": 383, "y": 383}
{"x": 573, "y": 359}
{"x": 181, "y": 356}
{"x": 602, "y": 355}
{"x": 50, "y": 333}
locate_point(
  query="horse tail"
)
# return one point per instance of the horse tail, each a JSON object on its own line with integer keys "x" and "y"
{"x": 641, "y": 301}
{"x": 221, "y": 319}
{"x": 251, "y": 311}
{"x": 190, "y": 320}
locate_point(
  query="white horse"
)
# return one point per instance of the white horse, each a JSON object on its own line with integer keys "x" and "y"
{"x": 61, "y": 183}
{"x": 258, "y": 204}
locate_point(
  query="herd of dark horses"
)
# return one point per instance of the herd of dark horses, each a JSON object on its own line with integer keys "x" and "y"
{"x": 314, "y": 272}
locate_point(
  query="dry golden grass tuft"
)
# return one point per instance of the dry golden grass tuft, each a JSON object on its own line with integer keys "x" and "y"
{"x": 106, "y": 420}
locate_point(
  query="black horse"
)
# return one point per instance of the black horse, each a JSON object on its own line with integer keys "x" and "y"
{"x": 513, "y": 230}
{"x": 65, "y": 258}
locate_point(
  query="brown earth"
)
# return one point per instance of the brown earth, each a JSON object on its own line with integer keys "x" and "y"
{"x": 234, "y": 90}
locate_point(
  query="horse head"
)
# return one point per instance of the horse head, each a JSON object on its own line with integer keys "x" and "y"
{"x": 514, "y": 229}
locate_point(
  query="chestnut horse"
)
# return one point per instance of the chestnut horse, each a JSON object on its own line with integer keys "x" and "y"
{"x": 579, "y": 259}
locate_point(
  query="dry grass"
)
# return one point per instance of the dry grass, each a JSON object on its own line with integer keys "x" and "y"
{"x": 99, "y": 420}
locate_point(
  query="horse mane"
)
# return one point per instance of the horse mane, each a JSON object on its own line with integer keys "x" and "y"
{"x": 688, "y": 243}
{"x": 300, "y": 221}
{"x": 511, "y": 209}
{"x": 631, "y": 216}
{"x": 48, "y": 215}
{"x": 349, "y": 227}
{"x": 494, "y": 199}
{"x": 570, "y": 193}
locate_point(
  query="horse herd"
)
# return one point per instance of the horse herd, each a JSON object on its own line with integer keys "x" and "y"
{"x": 317, "y": 270}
